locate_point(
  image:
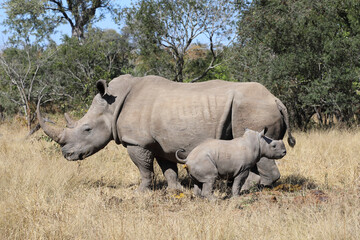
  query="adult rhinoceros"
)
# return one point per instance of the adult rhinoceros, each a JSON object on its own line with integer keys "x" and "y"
{"x": 154, "y": 117}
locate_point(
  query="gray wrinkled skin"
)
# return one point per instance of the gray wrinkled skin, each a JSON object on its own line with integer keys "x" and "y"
{"x": 153, "y": 117}
{"x": 230, "y": 159}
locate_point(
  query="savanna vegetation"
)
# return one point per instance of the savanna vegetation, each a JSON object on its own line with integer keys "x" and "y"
{"x": 43, "y": 196}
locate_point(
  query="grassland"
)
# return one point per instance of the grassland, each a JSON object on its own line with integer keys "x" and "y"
{"x": 43, "y": 196}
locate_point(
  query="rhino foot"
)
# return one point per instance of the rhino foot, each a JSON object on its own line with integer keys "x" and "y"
{"x": 175, "y": 186}
{"x": 142, "y": 189}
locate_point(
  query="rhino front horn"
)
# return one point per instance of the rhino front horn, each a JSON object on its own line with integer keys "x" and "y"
{"x": 53, "y": 132}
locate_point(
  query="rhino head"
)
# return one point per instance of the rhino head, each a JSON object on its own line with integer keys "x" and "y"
{"x": 88, "y": 135}
{"x": 270, "y": 148}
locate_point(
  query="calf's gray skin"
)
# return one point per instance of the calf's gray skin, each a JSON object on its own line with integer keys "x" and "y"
{"x": 153, "y": 117}
{"x": 230, "y": 159}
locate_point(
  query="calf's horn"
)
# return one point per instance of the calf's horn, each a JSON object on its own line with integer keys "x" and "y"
{"x": 53, "y": 132}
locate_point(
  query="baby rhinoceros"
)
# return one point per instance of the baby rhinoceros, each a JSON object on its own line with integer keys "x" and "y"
{"x": 229, "y": 159}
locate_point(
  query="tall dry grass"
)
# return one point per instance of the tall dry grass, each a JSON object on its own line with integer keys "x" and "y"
{"x": 43, "y": 196}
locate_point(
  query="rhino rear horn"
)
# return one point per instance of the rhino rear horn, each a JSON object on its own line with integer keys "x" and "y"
{"x": 53, "y": 132}
{"x": 69, "y": 122}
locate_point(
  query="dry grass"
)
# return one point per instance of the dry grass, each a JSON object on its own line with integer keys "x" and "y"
{"x": 43, "y": 196}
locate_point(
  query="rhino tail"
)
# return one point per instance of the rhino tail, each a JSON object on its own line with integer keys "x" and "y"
{"x": 180, "y": 160}
{"x": 284, "y": 112}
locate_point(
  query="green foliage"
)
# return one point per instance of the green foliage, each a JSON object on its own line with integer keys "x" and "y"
{"x": 27, "y": 21}
{"x": 24, "y": 73}
{"x": 198, "y": 59}
{"x": 305, "y": 52}
{"x": 40, "y": 18}
{"x": 78, "y": 65}
{"x": 166, "y": 30}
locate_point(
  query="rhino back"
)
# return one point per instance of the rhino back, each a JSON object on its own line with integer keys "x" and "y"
{"x": 173, "y": 114}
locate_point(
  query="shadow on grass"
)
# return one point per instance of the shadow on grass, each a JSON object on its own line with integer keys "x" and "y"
{"x": 101, "y": 183}
{"x": 185, "y": 182}
{"x": 294, "y": 182}
{"x": 290, "y": 183}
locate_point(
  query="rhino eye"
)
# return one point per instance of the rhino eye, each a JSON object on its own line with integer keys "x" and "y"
{"x": 87, "y": 129}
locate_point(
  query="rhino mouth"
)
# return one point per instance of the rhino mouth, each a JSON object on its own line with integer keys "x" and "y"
{"x": 73, "y": 156}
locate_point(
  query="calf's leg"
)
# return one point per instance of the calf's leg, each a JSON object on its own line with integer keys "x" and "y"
{"x": 208, "y": 188}
{"x": 197, "y": 188}
{"x": 238, "y": 182}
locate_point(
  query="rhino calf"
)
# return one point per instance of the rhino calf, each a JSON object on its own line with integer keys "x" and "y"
{"x": 230, "y": 159}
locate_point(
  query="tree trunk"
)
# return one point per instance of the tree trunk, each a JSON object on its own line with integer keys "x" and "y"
{"x": 179, "y": 70}
{"x": 78, "y": 32}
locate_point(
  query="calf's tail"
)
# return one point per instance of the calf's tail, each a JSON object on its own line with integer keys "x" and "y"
{"x": 284, "y": 112}
{"x": 180, "y": 160}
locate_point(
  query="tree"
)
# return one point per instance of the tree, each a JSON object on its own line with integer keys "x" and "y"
{"x": 25, "y": 78}
{"x": 24, "y": 63}
{"x": 104, "y": 54}
{"x": 170, "y": 27}
{"x": 305, "y": 52}
{"x": 45, "y": 15}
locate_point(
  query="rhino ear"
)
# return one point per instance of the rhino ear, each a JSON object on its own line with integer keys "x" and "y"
{"x": 102, "y": 87}
{"x": 263, "y": 132}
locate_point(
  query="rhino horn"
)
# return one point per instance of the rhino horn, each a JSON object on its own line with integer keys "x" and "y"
{"x": 53, "y": 132}
{"x": 69, "y": 122}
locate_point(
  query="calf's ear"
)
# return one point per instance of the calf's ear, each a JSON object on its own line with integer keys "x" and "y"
{"x": 263, "y": 132}
{"x": 102, "y": 87}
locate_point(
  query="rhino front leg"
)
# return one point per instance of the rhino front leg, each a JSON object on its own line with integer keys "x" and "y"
{"x": 144, "y": 160}
{"x": 238, "y": 182}
{"x": 170, "y": 172}
{"x": 268, "y": 171}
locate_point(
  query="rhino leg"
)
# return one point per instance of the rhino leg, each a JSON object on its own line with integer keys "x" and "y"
{"x": 252, "y": 180}
{"x": 207, "y": 188}
{"x": 268, "y": 171}
{"x": 170, "y": 172}
{"x": 144, "y": 160}
{"x": 197, "y": 189}
{"x": 238, "y": 182}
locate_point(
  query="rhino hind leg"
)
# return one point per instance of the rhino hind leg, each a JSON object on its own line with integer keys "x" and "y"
{"x": 251, "y": 181}
{"x": 208, "y": 188}
{"x": 144, "y": 160}
{"x": 197, "y": 188}
{"x": 268, "y": 171}
{"x": 170, "y": 172}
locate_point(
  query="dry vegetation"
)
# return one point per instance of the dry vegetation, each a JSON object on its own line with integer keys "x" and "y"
{"x": 43, "y": 196}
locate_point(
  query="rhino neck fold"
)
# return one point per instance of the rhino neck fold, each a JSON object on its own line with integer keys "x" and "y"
{"x": 260, "y": 151}
{"x": 119, "y": 106}
{"x": 257, "y": 147}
